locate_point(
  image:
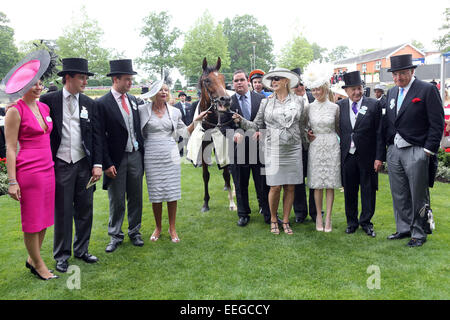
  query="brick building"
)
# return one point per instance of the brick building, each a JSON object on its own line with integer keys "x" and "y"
{"x": 370, "y": 64}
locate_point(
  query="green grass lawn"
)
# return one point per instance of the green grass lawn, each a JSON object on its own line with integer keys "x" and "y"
{"x": 216, "y": 259}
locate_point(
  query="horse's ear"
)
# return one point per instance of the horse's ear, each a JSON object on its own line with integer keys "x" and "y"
{"x": 219, "y": 64}
{"x": 205, "y": 64}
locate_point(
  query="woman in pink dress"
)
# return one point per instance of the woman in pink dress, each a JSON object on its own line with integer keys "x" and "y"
{"x": 30, "y": 172}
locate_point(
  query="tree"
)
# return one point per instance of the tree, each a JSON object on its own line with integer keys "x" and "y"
{"x": 8, "y": 51}
{"x": 319, "y": 52}
{"x": 297, "y": 53}
{"x": 178, "y": 86}
{"x": 419, "y": 45}
{"x": 244, "y": 33}
{"x": 82, "y": 39}
{"x": 443, "y": 42}
{"x": 160, "y": 50}
{"x": 339, "y": 53}
{"x": 205, "y": 39}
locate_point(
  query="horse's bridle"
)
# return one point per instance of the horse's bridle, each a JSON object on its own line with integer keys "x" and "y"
{"x": 215, "y": 103}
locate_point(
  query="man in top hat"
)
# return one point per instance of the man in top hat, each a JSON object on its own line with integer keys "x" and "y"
{"x": 77, "y": 152}
{"x": 255, "y": 80}
{"x": 300, "y": 202}
{"x": 362, "y": 152}
{"x": 414, "y": 123}
{"x": 123, "y": 154}
{"x": 185, "y": 108}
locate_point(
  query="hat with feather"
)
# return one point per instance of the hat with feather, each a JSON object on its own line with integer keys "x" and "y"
{"x": 317, "y": 74}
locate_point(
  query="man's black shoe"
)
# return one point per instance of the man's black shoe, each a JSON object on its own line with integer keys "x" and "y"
{"x": 62, "y": 266}
{"x": 112, "y": 246}
{"x": 369, "y": 231}
{"x": 299, "y": 219}
{"x": 350, "y": 230}
{"x": 399, "y": 235}
{"x": 137, "y": 241}
{"x": 88, "y": 258}
{"x": 416, "y": 242}
{"x": 243, "y": 221}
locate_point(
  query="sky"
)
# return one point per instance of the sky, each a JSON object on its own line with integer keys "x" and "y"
{"x": 363, "y": 24}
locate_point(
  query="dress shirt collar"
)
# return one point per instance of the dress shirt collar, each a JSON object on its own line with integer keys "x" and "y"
{"x": 66, "y": 94}
{"x": 247, "y": 94}
{"x": 358, "y": 103}
{"x": 408, "y": 86}
{"x": 116, "y": 94}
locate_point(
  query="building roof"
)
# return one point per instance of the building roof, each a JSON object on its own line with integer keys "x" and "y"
{"x": 375, "y": 55}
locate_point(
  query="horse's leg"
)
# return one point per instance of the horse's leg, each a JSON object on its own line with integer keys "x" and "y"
{"x": 205, "y": 184}
{"x": 231, "y": 190}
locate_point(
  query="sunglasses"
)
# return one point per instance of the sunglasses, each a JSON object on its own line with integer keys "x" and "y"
{"x": 276, "y": 78}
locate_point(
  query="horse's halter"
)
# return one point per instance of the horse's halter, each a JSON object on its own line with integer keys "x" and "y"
{"x": 214, "y": 106}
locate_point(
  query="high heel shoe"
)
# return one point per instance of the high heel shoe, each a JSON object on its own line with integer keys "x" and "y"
{"x": 328, "y": 229}
{"x": 319, "y": 228}
{"x": 174, "y": 240}
{"x": 287, "y": 228}
{"x": 274, "y": 227}
{"x": 29, "y": 266}
{"x": 34, "y": 271}
{"x": 154, "y": 238}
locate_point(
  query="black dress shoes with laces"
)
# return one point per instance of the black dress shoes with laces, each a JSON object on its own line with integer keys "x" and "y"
{"x": 62, "y": 266}
{"x": 88, "y": 258}
{"x": 416, "y": 242}
{"x": 137, "y": 241}
{"x": 369, "y": 231}
{"x": 399, "y": 235}
{"x": 243, "y": 221}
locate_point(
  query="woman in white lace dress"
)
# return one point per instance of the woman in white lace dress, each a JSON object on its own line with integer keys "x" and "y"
{"x": 324, "y": 165}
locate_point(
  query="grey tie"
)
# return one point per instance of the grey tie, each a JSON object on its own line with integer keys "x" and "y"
{"x": 73, "y": 104}
{"x": 245, "y": 108}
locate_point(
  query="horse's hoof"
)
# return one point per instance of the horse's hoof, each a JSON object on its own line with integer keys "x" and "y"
{"x": 226, "y": 188}
{"x": 233, "y": 208}
{"x": 205, "y": 209}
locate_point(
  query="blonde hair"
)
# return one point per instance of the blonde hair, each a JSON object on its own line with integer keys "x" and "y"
{"x": 169, "y": 96}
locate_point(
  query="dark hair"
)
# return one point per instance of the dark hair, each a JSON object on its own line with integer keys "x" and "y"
{"x": 240, "y": 71}
{"x": 71, "y": 74}
{"x": 118, "y": 76}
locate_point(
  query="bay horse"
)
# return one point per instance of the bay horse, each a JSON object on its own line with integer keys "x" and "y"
{"x": 214, "y": 97}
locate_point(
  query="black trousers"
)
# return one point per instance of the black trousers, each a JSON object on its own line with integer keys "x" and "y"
{"x": 300, "y": 202}
{"x": 356, "y": 176}
{"x": 73, "y": 206}
{"x": 241, "y": 177}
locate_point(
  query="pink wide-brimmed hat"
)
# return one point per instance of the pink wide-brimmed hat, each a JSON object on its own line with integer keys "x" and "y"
{"x": 24, "y": 75}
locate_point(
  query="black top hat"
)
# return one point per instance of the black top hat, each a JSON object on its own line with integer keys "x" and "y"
{"x": 182, "y": 94}
{"x": 118, "y": 67}
{"x": 74, "y": 65}
{"x": 352, "y": 79}
{"x": 144, "y": 90}
{"x": 401, "y": 62}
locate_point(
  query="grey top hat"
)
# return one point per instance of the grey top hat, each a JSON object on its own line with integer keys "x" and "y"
{"x": 122, "y": 66}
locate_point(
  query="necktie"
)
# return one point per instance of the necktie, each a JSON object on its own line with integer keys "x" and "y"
{"x": 124, "y": 104}
{"x": 72, "y": 104}
{"x": 400, "y": 99}
{"x": 354, "y": 107}
{"x": 245, "y": 108}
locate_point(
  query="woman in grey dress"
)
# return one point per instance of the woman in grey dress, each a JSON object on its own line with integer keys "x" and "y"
{"x": 160, "y": 125}
{"x": 324, "y": 165}
{"x": 281, "y": 114}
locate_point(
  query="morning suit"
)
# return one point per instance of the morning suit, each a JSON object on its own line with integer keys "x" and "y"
{"x": 245, "y": 163}
{"x": 76, "y": 147}
{"x": 361, "y": 143}
{"x": 411, "y": 127}
{"x": 300, "y": 202}
{"x": 123, "y": 148}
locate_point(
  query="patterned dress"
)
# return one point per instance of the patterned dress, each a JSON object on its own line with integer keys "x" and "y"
{"x": 324, "y": 154}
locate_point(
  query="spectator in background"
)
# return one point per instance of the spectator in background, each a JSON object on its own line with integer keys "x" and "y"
{"x": 257, "y": 85}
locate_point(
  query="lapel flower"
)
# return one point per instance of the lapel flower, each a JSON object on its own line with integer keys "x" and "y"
{"x": 415, "y": 100}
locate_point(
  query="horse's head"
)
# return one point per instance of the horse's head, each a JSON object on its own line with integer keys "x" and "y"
{"x": 212, "y": 85}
